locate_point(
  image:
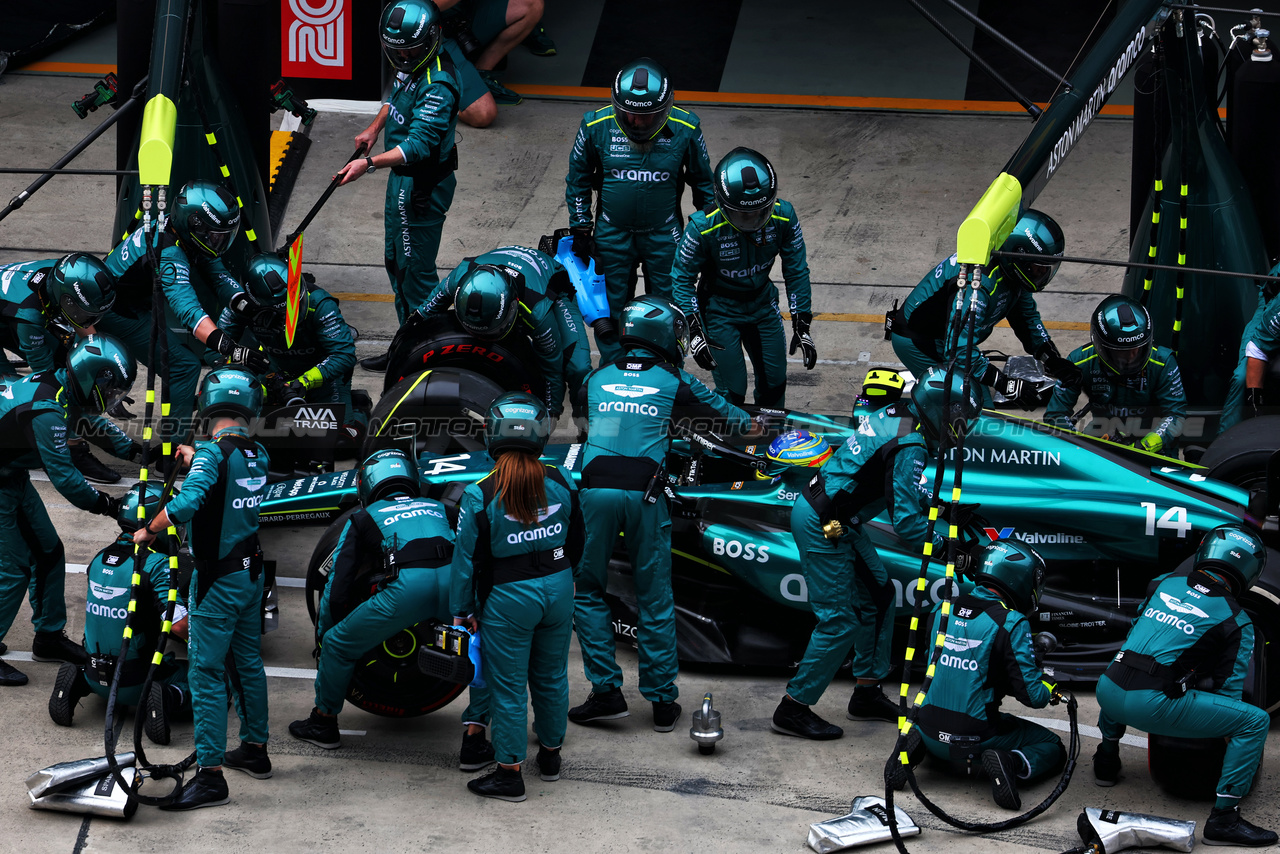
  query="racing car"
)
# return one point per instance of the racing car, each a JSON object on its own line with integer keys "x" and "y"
{"x": 1106, "y": 518}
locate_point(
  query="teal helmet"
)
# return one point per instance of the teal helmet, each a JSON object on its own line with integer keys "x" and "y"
{"x": 410, "y": 34}
{"x": 1121, "y": 332}
{"x": 128, "y": 517}
{"x": 230, "y": 391}
{"x": 517, "y": 421}
{"x": 81, "y": 288}
{"x": 99, "y": 373}
{"x": 1035, "y": 233}
{"x": 746, "y": 188}
{"x": 206, "y": 217}
{"x": 1233, "y": 551}
{"x": 267, "y": 278}
{"x": 642, "y": 99}
{"x": 799, "y": 448}
{"x": 656, "y": 323}
{"x": 940, "y": 404}
{"x": 1014, "y": 570}
{"x": 487, "y": 301}
{"x": 386, "y": 474}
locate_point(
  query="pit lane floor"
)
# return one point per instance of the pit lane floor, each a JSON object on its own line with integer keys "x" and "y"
{"x": 879, "y": 197}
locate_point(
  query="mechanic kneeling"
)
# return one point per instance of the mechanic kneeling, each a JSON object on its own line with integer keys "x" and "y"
{"x": 848, "y": 584}
{"x": 1181, "y": 672}
{"x": 317, "y": 367}
{"x": 987, "y": 654}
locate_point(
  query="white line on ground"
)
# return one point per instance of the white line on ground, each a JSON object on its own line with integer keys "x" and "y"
{"x": 1085, "y": 729}
{"x": 281, "y": 672}
{"x": 352, "y": 732}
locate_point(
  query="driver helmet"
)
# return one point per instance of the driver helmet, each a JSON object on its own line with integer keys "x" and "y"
{"x": 1233, "y": 551}
{"x": 99, "y": 373}
{"x": 655, "y": 323}
{"x": 1014, "y": 570}
{"x": 206, "y": 217}
{"x": 387, "y": 474}
{"x": 1038, "y": 234}
{"x": 880, "y": 388}
{"x": 1122, "y": 335}
{"x": 81, "y": 289}
{"x": 268, "y": 282}
{"x": 642, "y": 99}
{"x": 410, "y": 34}
{"x": 487, "y": 301}
{"x": 944, "y": 417}
{"x": 128, "y": 517}
{"x": 517, "y": 421}
{"x": 746, "y": 188}
{"x": 799, "y": 448}
{"x": 230, "y": 391}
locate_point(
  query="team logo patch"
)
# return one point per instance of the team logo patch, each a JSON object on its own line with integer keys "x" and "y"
{"x": 625, "y": 390}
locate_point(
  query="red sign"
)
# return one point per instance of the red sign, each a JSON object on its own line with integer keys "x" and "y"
{"x": 315, "y": 38}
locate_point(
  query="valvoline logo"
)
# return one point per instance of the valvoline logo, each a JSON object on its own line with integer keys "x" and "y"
{"x": 1000, "y": 534}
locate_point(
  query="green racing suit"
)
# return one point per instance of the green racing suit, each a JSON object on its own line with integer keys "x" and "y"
{"x": 24, "y": 319}
{"x": 1260, "y": 340}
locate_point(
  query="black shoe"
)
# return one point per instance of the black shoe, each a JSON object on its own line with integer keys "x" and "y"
{"x": 89, "y": 465}
{"x": 665, "y": 716}
{"x": 504, "y": 784}
{"x": 600, "y": 706}
{"x": 1001, "y": 766}
{"x": 206, "y": 789}
{"x": 56, "y": 646}
{"x": 539, "y": 43}
{"x": 868, "y": 703}
{"x": 11, "y": 676}
{"x": 320, "y": 730}
{"x": 159, "y": 708}
{"x": 68, "y": 688}
{"x": 376, "y": 364}
{"x": 476, "y": 753}
{"x": 895, "y": 774}
{"x": 1106, "y": 768}
{"x": 548, "y": 764}
{"x": 793, "y": 718}
{"x": 252, "y": 759}
{"x": 1225, "y": 826}
{"x": 4, "y": 647}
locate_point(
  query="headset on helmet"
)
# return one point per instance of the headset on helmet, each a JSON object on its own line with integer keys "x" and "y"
{"x": 517, "y": 421}
{"x": 386, "y": 474}
{"x": 232, "y": 392}
{"x": 1014, "y": 570}
{"x": 656, "y": 323}
{"x": 410, "y": 34}
{"x": 1035, "y": 233}
{"x": 940, "y": 404}
{"x": 487, "y": 301}
{"x": 206, "y": 217}
{"x": 81, "y": 288}
{"x": 642, "y": 99}
{"x": 1121, "y": 332}
{"x": 99, "y": 373}
{"x": 746, "y": 188}
{"x": 1233, "y": 551}
{"x": 128, "y": 517}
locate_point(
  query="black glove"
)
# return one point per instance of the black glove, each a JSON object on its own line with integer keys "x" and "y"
{"x": 965, "y": 561}
{"x": 584, "y": 243}
{"x": 963, "y": 514}
{"x": 1059, "y": 368}
{"x": 1019, "y": 391}
{"x": 144, "y": 456}
{"x": 254, "y": 360}
{"x": 108, "y": 505}
{"x": 801, "y": 338}
{"x": 699, "y": 346}
{"x": 241, "y": 304}
{"x": 1253, "y": 402}
{"x": 294, "y": 393}
{"x": 118, "y": 409}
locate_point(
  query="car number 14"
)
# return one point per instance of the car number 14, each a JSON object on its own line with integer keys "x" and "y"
{"x": 1173, "y": 519}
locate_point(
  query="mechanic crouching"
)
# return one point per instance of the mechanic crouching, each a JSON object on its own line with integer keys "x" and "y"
{"x": 1133, "y": 386}
{"x": 987, "y": 653}
{"x": 848, "y": 585}
{"x": 1181, "y": 672}
{"x": 317, "y": 368}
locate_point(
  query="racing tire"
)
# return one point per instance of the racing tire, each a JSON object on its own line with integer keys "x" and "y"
{"x": 437, "y": 411}
{"x": 1240, "y": 456}
{"x": 63, "y": 700}
{"x": 440, "y": 342}
{"x": 387, "y": 680}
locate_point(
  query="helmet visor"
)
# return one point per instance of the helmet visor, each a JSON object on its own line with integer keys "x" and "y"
{"x": 1125, "y": 361}
{"x": 681, "y": 328}
{"x": 80, "y": 315}
{"x": 406, "y": 59}
{"x": 212, "y": 239}
{"x": 1035, "y": 274}
{"x": 107, "y": 390}
{"x": 752, "y": 220}
{"x": 641, "y": 127}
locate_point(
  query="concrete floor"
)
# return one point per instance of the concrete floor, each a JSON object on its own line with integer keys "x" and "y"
{"x": 879, "y": 197}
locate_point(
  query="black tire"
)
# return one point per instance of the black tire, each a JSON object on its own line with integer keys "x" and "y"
{"x": 1241, "y": 454}
{"x": 388, "y": 681}
{"x": 157, "y": 716}
{"x": 1186, "y": 767}
{"x": 439, "y": 342}
{"x": 63, "y": 700}
{"x": 438, "y": 411}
